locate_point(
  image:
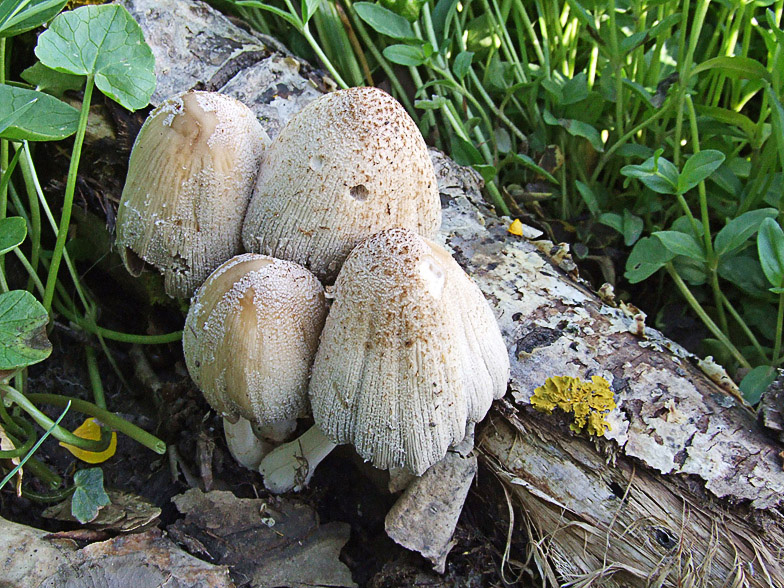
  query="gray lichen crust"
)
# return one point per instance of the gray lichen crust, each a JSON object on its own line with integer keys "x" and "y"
{"x": 189, "y": 182}
{"x": 410, "y": 354}
{"x": 251, "y": 335}
{"x": 350, "y": 164}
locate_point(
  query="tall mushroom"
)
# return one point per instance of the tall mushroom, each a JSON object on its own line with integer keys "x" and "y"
{"x": 190, "y": 178}
{"x": 249, "y": 339}
{"x": 410, "y": 357}
{"x": 348, "y": 165}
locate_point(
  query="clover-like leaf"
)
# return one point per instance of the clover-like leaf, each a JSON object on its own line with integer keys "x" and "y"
{"x": 105, "y": 42}
{"x": 44, "y": 118}
{"x": 89, "y": 496}
{"x": 22, "y": 330}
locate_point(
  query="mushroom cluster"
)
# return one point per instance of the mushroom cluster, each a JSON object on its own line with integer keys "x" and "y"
{"x": 410, "y": 356}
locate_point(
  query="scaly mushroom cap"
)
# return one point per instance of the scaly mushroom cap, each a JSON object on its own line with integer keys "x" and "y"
{"x": 190, "y": 178}
{"x": 348, "y": 165}
{"x": 410, "y": 354}
{"x": 251, "y": 335}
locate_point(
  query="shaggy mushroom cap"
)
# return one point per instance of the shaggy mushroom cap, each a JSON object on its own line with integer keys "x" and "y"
{"x": 250, "y": 338}
{"x": 411, "y": 354}
{"x": 348, "y": 165}
{"x": 190, "y": 178}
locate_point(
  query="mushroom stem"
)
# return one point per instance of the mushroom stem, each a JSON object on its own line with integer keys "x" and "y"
{"x": 243, "y": 444}
{"x": 291, "y": 466}
{"x": 276, "y": 432}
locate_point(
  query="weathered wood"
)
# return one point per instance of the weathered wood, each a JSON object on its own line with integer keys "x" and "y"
{"x": 686, "y": 488}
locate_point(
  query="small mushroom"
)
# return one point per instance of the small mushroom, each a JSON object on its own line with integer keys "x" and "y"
{"x": 348, "y": 165}
{"x": 250, "y": 338}
{"x": 190, "y": 178}
{"x": 410, "y": 358}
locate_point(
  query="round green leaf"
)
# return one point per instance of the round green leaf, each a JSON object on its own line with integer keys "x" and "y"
{"x": 756, "y": 382}
{"x": 646, "y": 258}
{"x": 46, "y": 119}
{"x": 13, "y": 230}
{"x": 23, "y": 322}
{"x": 106, "y": 42}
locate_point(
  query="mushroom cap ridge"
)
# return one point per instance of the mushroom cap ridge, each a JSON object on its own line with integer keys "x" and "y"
{"x": 190, "y": 178}
{"x": 410, "y": 354}
{"x": 348, "y": 165}
{"x": 251, "y": 335}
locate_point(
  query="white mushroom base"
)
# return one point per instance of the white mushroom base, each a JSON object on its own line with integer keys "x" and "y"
{"x": 291, "y": 466}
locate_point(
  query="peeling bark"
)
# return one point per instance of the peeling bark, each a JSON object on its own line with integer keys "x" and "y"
{"x": 686, "y": 487}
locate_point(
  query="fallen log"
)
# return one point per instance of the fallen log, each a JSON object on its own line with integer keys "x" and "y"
{"x": 685, "y": 489}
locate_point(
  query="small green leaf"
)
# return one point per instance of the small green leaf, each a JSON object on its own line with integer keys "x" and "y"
{"x": 464, "y": 152}
{"x": 526, "y": 161}
{"x": 590, "y": 199}
{"x": 629, "y": 225}
{"x": 576, "y": 128}
{"x": 488, "y": 172}
{"x": 657, "y": 173}
{"x": 740, "y": 229}
{"x": 575, "y": 89}
{"x": 23, "y": 323}
{"x": 646, "y": 258}
{"x": 309, "y": 8}
{"x": 13, "y": 230}
{"x": 384, "y": 21}
{"x": 770, "y": 16}
{"x": 52, "y": 82}
{"x": 735, "y": 67}
{"x": 405, "y": 54}
{"x": 729, "y": 117}
{"x": 45, "y": 119}
{"x": 462, "y": 64}
{"x": 745, "y": 272}
{"x": 106, "y": 42}
{"x": 443, "y": 13}
{"x": 434, "y": 104}
{"x": 681, "y": 244}
{"x": 756, "y": 382}
{"x": 408, "y": 9}
{"x": 770, "y": 246}
{"x": 631, "y": 42}
{"x": 698, "y": 167}
{"x": 18, "y": 16}
{"x": 89, "y": 496}
{"x": 777, "y": 121}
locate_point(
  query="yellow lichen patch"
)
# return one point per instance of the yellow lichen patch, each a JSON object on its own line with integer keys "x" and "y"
{"x": 516, "y": 228}
{"x": 91, "y": 429}
{"x": 589, "y": 401}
